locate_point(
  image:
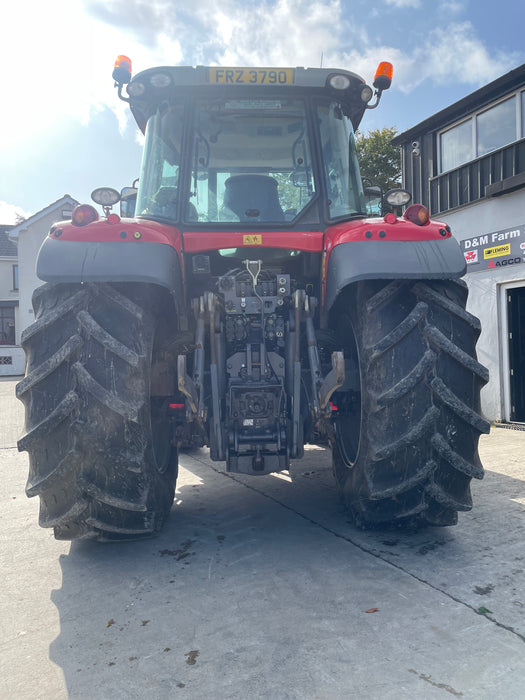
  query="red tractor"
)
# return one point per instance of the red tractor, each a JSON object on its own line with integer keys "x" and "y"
{"x": 252, "y": 303}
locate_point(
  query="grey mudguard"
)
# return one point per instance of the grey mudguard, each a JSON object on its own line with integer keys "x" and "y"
{"x": 365, "y": 260}
{"x": 110, "y": 261}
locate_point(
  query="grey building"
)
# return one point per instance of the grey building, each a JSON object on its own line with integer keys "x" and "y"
{"x": 467, "y": 165}
{"x": 19, "y": 245}
{"x": 11, "y": 356}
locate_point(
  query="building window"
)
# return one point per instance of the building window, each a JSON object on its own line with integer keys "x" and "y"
{"x": 496, "y": 127}
{"x": 456, "y": 146}
{"x": 482, "y": 133}
{"x": 7, "y": 325}
{"x": 522, "y": 114}
{"x": 15, "y": 278}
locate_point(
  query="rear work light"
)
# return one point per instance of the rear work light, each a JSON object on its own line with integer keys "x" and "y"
{"x": 135, "y": 89}
{"x": 417, "y": 214}
{"x": 340, "y": 82}
{"x": 160, "y": 80}
{"x": 83, "y": 215}
{"x": 366, "y": 93}
{"x": 105, "y": 196}
{"x": 398, "y": 197}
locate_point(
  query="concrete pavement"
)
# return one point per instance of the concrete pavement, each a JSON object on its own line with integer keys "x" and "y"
{"x": 260, "y": 588}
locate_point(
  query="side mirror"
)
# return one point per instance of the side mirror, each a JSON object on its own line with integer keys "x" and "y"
{"x": 128, "y": 201}
{"x": 299, "y": 177}
{"x": 373, "y": 199}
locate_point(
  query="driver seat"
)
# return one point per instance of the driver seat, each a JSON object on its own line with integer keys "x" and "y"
{"x": 253, "y": 198}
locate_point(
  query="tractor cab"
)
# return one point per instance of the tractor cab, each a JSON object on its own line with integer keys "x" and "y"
{"x": 249, "y": 148}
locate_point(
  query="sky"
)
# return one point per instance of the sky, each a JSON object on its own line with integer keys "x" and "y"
{"x": 63, "y": 129}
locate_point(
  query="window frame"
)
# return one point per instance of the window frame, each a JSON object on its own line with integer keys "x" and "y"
{"x": 5, "y": 317}
{"x": 519, "y": 97}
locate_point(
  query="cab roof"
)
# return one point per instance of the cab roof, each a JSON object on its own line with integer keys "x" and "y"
{"x": 154, "y": 86}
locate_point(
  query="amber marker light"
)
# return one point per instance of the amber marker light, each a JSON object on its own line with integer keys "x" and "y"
{"x": 417, "y": 214}
{"x": 383, "y": 76}
{"x": 83, "y": 215}
{"x": 122, "y": 70}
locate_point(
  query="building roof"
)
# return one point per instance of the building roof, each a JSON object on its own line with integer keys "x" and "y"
{"x": 7, "y": 248}
{"x": 66, "y": 202}
{"x": 512, "y": 80}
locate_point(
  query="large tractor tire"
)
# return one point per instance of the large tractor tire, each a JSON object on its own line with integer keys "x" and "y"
{"x": 406, "y": 442}
{"x": 100, "y": 446}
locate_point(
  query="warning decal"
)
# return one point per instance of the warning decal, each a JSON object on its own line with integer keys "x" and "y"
{"x": 252, "y": 239}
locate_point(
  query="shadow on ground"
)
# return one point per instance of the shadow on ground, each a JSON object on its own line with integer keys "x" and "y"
{"x": 259, "y": 587}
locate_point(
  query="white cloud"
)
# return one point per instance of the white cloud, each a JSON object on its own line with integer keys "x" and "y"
{"x": 10, "y": 212}
{"x": 452, "y": 7}
{"x": 404, "y": 3}
{"x": 298, "y": 32}
{"x": 455, "y": 54}
{"x": 291, "y": 32}
{"x": 70, "y": 78}
{"x": 271, "y": 32}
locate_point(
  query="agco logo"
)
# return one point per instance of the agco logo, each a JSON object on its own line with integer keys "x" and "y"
{"x": 503, "y": 263}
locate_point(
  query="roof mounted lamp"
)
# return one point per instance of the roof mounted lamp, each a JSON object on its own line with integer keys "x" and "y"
{"x": 106, "y": 197}
{"x": 397, "y": 198}
{"x": 122, "y": 74}
{"x": 382, "y": 81}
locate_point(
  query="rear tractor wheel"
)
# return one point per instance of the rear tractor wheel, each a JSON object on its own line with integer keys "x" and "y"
{"x": 100, "y": 447}
{"x": 406, "y": 441}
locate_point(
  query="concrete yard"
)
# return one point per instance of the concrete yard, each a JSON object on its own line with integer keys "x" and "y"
{"x": 261, "y": 588}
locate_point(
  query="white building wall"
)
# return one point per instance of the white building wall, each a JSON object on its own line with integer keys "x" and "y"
{"x": 486, "y": 291}
{"x": 29, "y": 242}
{"x": 10, "y": 353}
{"x": 18, "y": 361}
{"x": 28, "y": 236}
{"x": 6, "y": 279}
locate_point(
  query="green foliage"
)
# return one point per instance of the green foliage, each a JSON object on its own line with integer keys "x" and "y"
{"x": 291, "y": 196}
{"x": 379, "y": 161}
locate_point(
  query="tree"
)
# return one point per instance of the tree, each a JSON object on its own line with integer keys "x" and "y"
{"x": 379, "y": 161}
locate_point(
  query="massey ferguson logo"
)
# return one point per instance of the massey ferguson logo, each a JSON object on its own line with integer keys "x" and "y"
{"x": 471, "y": 256}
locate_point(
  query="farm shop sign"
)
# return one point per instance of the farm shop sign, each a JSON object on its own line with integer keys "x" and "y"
{"x": 494, "y": 251}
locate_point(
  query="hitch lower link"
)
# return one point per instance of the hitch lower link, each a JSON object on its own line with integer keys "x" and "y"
{"x": 322, "y": 387}
{"x": 192, "y": 388}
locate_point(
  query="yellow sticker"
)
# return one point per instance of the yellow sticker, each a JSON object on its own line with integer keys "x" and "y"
{"x": 497, "y": 251}
{"x": 252, "y": 239}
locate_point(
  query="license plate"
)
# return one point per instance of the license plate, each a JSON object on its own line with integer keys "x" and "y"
{"x": 252, "y": 76}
